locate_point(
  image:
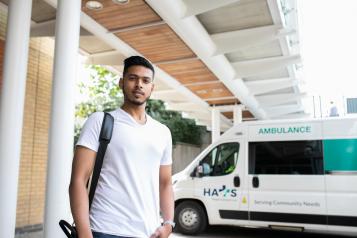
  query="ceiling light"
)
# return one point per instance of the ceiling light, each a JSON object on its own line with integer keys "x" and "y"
{"x": 94, "y": 5}
{"x": 121, "y": 2}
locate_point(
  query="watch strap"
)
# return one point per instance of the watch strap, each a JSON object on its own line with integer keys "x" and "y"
{"x": 170, "y": 222}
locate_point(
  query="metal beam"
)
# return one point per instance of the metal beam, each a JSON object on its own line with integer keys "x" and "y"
{"x": 294, "y": 115}
{"x": 230, "y": 108}
{"x": 271, "y": 87}
{"x": 196, "y": 37}
{"x": 195, "y": 7}
{"x": 170, "y": 95}
{"x": 256, "y": 67}
{"x": 47, "y": 29}
{"x": 186, "y": 107}
{"x": 235, "y": 40}
{"x": 106, "y": 58}
{"x": 282, "y": 110}
{"x": 277, "y": 99}
{"x": 263, "y": 82}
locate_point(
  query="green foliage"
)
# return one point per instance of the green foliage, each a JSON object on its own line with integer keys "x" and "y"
{"x": 182, "y": 129}
{"x": 102, "y": 93}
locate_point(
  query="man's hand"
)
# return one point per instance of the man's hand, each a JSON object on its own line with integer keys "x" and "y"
{"x": 162, "y": 232}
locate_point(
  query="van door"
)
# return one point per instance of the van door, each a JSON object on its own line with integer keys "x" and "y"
{"x": 221, "y": 183}
{"x": 340, "y": 156}
{"x": 287, "y": 184}
{"x": 341, "y": 184}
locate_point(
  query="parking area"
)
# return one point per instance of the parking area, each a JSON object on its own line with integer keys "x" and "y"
{"x": 236, "y": 232}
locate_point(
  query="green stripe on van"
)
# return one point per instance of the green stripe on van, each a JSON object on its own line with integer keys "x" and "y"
{"x": 340, "y": 154}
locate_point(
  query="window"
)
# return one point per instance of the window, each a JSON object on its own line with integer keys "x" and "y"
{"x": 221, "y": 160}
{"x": 351, "y": 105}
{"x": 286, "y": 157}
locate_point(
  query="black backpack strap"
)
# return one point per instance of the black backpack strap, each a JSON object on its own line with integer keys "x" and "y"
{"x": 104, "y": 139}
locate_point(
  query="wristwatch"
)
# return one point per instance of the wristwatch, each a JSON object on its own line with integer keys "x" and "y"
{"x": 171, "y": 223}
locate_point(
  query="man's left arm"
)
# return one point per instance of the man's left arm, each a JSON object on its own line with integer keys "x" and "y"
{"x": 166, "y": 202}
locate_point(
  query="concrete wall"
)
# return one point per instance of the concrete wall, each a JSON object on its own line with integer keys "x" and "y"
{"x": 183, "y": 154}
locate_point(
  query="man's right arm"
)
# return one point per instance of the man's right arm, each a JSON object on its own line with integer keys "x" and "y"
{"x": 82, "y": 168}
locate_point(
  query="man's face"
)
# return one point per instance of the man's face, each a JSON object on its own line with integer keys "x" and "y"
{"x": 137, "y": 84}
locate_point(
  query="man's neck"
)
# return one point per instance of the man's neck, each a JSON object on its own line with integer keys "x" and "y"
{"x": 137, "y": 112}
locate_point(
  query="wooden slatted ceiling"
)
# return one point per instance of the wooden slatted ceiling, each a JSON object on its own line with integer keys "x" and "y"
{"x": 214, "y": 90}
{"x": 114, "y": 16}
{"x": 246, "y": 115}
{"x": 158, "y": 43}
{"x": 162, "y": 46}
{"x": 223, "y": 102}
{"x": 189, "y": 71}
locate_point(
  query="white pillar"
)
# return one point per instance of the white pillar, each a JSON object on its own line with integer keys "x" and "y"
{"x": 62, "y": 116}
{"x": 11, "y": 110}
{"x": 237, "y": 115}
{"x": 216, "y": 124}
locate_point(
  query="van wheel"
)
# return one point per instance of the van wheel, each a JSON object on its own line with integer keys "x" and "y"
{"x": 190, "y": 218}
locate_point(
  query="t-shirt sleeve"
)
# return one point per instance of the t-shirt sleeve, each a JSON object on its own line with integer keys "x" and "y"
{"x": 167, "y": 155}
{"x": 89, "y": 137}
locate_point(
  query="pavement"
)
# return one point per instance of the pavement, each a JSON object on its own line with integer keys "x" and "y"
{"x": 225, "y": 232}
{"x": 36, "y": 234}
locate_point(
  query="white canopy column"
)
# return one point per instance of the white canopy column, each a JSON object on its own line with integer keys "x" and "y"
{"x": 216, "y": 124}
{"x": 237, "y": 115}
{"x": 62, "y": 116}
{"x": 11, "y": 110}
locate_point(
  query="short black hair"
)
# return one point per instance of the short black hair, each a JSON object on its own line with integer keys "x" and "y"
{"x": 137, "y": 60}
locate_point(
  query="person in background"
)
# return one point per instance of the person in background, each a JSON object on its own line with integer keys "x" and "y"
{"x": 333, "y": 110}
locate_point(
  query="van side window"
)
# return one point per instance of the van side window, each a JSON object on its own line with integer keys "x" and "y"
{"x": 222, "y": 159}
{"x": 286, "y": 157}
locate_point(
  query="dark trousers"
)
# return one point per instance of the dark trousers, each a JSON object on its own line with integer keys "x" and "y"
{"x": 102, "y": 235}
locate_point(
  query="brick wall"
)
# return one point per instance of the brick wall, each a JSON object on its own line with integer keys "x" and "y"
{"x": 33, "y": 164}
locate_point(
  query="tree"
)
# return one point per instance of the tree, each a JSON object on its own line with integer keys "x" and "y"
{"x": 101, "y": 93}
{"x": 182, "y": 129}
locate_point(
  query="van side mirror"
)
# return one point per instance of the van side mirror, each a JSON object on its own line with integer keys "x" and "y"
{"x": 202, "y": 170}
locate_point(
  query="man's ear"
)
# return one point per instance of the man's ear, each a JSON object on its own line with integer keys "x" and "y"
{"x": 121, "y": 83}
{"x": 152, "y": 87}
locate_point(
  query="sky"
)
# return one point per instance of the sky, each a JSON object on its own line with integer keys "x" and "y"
{"x": 328, "y": 41}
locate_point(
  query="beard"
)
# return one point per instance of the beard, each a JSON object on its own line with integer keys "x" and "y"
{"x": 133, "y": 100}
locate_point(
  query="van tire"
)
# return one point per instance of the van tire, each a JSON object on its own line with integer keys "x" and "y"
{"x": 190, "y": 218}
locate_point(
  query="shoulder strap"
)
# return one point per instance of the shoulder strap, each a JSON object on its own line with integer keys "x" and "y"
{"x": 104, "y": 139}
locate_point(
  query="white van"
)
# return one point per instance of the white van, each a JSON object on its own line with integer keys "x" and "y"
{"x": 295, "y": 175}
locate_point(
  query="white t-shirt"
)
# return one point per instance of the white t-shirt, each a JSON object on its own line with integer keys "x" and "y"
{"x": 126, "y": 200}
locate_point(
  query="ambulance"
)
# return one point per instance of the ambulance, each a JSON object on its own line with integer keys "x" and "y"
{"x": 298, "y": 175}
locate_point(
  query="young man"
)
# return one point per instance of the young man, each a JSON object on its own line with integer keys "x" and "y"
{"x": 135, "y": 180}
